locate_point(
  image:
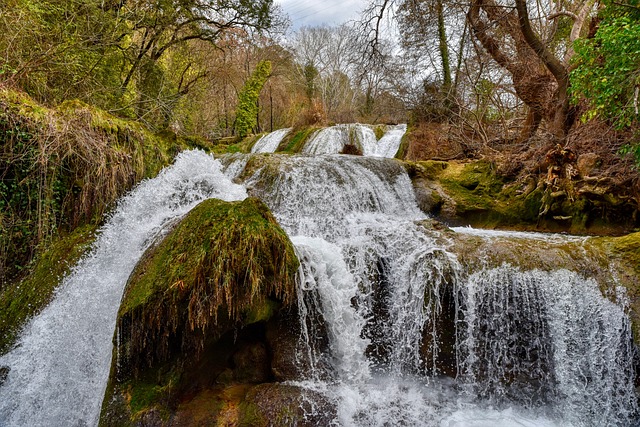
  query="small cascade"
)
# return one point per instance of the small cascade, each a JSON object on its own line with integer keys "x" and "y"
{"x": 548, "y": 340}
{"x": 269, "y": 143}
{"x": 325, "y": 273}
{"x": 388, "y": 145}
{"x": 59, "y": 368}
{"x": 332, "y": 140}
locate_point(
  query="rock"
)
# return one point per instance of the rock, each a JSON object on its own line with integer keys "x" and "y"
{"x": 4, "y": 373}
{"x": 193, "y": 318}
{"x": 251, "y": 363}
{"x": 289, "y": 405}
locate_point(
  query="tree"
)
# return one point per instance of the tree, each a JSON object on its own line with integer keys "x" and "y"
{"x": 540, "y": 77}
{"x": 607, "y": 72}
{"x": 61, "y": 50}
{"x": 247, "y": 110}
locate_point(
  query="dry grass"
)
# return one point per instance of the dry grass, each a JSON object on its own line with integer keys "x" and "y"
{"x": 67, "y": 166}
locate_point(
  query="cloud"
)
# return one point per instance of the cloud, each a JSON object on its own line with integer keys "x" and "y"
{"x": 329, "y": 12}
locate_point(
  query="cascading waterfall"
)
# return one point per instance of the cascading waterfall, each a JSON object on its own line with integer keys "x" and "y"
{"x": 413, "y": 336}
{"x": 548, "y": 339}
{"x": 269, "y": 143}
{"x": 59, "y": 368}
{"x": 388, "y": 145}
{"x": 332, "y": 140}
{"x": 529, "y": 348}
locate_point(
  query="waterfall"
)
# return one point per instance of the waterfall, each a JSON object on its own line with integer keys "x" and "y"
{"x": 332, "y": 140}
{"x": 388, "y": 145}
{"x": 444, "y": 345}
{"x": 548, "y": 339}
{"x": 59, "y": 368}
{"x": 269, "y": 143}
{"x": 415, "y": 334}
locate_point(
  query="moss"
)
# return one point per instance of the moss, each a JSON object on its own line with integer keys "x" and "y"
{"x": 89, "y": 160}
{"x": 21, "y": 301}
{"x": 473, "y": 186}
{"x": 209, "y": 234}
{"x": 431, "y": 169}
{"x": 480, "y": 196}
{"x": 624, "y": 253}
{"x": 379, "y": 131}
{"x": 401, "y": 154}
{"x": 192, "y": 322}
{"x": 222, "y": 256}
{"x": 294, "y": 141}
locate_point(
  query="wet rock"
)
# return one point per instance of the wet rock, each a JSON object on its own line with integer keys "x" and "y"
{"x": 289, "y": 405}
{"x": 4, "y": 373}
{"x": 251, "y": 363}
{"x": 194, "y": 314}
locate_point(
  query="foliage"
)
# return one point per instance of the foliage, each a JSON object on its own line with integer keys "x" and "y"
{"x": 19, "y": 303}
{"x": 61, "y": 168}
{"x": 57, "y": 50}
{"x": 247, "y": 110}
{"x": 607, "y": 72}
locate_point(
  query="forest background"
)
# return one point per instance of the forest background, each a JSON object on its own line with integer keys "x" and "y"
{"x": 114, "y": 87}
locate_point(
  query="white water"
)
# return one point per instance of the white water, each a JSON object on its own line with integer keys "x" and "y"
{"x": 533, "y": 348}
{"x": 59, "y": 369}
{"x": 388, "y": 145}
{"x": 332, "y": 140}
{"x": 269, "y": 143}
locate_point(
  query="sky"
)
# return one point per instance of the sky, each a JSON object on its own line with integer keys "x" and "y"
{"x": 330, "y": 12}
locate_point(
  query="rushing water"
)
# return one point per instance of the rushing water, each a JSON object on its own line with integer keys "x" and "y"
{"x": 415, "y": 337}
{"x": 332, "y": 140}
{"x": 59, "y": 369}
{"x": 269, "y": 143}
{"x": 526, "y": 347}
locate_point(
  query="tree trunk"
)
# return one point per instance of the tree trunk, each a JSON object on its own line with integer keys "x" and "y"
{"x": 540, "y": 79}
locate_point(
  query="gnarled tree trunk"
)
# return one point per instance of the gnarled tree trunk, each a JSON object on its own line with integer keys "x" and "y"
{"x": 540, "y": 79}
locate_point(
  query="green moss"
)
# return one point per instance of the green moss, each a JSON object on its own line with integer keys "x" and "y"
{"x": 294, "y": 141}
{"x": 261, "y": 311}
{"x": 143, "y": 396}
{"x": 89, "y": 160}
{"x": 379, "y": 131}
{"x": 627, "y": 249}
{"x": 251, "y": 416}
{"x": 21, "y": 301}
{"x": 474, "y": 186}
{"x": 219, "y": 232}
{"x": 222, "y": 263}
{"x": 22, "y": 104}
{"x": 624, "y": 253}
{"x": 430, "y": 169}
{"x": 401, "y": 154}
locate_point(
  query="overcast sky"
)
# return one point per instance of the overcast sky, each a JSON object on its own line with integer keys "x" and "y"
{"x": 330, "y": 12}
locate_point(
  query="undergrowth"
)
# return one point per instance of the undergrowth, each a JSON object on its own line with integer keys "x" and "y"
{"x": 64, "y": 167}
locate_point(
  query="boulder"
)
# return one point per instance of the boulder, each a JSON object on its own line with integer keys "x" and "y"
{"x": 194, "y": 319}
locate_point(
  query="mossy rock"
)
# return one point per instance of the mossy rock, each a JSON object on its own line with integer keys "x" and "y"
{"x": 195, "y": 311}
{"x": 65, "y": 167}
{"x": 293, "y": 142}
{"x": 20, "y": 301}
{"x": 624, "y": 253}
{"x": 235, "y": 144}
{"x": 223, "y": 258}
{"x": 474, "y": 193}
